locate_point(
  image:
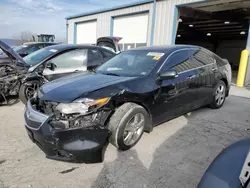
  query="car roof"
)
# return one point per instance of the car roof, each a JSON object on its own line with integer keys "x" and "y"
{"x": 166, "y": 48}
{"x": 61, "y": 47}
{"x": 32, "y": 43}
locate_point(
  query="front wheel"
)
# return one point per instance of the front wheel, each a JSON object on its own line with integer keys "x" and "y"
{"x": 27, "y": 90}
{"x": 127, "y": 125}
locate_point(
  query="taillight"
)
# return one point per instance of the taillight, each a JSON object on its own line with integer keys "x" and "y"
{"x": 117, "y": 39}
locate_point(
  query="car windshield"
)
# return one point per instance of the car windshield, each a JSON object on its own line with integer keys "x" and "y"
{"x": 19, "y": 48}
{"x": 39, "y": 55}
{"x": 131, "y": 63}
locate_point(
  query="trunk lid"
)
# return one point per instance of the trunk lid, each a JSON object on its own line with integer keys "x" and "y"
{"x": 110, "y": 43}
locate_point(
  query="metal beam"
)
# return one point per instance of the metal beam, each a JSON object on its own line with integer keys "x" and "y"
{"x": 219, "y": 28}
{"x": 203, "y": 22}
{"x": 228, "y": 31}
{"x": 212, "y": 3}
{"x": 198, "y": 14}
{"x": 216, "y": 24}
{"x": 225, "y": 6}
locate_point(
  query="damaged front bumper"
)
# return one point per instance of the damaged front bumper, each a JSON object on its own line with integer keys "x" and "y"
{"x": 83, "y": 145}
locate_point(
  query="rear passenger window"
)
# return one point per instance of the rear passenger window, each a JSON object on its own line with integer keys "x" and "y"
{"x": 186, "y": 60}
{"x": 204, "y": 56}
{"x": 182, "y": 61}
{"x": 219, "y": 61}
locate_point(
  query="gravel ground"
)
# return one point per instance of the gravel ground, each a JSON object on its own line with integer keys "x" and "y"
{"x": 175, "y": 154}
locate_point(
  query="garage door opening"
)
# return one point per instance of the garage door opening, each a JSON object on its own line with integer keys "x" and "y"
{"x": 221, "y": 28}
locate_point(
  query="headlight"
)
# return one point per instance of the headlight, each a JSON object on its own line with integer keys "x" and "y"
{"x": 81, "y": 106}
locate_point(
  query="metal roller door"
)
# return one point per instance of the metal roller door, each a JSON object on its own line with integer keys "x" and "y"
{"x": 133, "y": 30}
{"x": 86, "y": 33}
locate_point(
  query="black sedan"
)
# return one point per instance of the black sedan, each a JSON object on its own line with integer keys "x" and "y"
{"x": 73, "y": 118}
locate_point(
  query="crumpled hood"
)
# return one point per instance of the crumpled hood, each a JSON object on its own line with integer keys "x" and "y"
{"x": 69, "y": 88}
{"x": 12, "y": 54}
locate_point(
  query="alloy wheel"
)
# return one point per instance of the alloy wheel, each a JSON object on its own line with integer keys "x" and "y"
{"x": 220, "y": 94}
{"x": 134, "y": 129}
{"x": 31, "y": 89}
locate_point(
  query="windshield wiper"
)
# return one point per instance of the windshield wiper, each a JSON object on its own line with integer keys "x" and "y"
{"x": 111, "y": 74}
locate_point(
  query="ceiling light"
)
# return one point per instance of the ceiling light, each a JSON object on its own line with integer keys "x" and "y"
{"x": 180, "y": 20}
{"x": 209, "y": 34}
{"x": 242, "y": 32}
{"x": 227, "y": 22}
{"x": 191, "y": 25}
{"x": 179, "y": 36}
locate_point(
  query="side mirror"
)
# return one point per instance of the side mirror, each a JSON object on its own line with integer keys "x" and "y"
{"x": 168, "y": 75}
{"x": 92, "y": 68}
{"x": 23, "y": 54}
{"x": 51, "y": 66}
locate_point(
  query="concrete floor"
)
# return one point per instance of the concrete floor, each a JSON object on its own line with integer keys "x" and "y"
{"x": 175, "y": 154}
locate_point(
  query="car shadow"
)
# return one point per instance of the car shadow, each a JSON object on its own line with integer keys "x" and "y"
{"x": 11, "y": 100}
{"x": 181, "y": 159}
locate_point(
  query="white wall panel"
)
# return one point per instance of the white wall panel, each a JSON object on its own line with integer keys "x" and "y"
{"x": 86, "y": 33}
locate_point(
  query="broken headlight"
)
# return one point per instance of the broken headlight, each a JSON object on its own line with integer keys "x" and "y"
{"x": 81, "y": 106}
{"x": 79, "y": 113}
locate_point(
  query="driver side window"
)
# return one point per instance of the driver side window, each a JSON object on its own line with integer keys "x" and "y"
{"x": 70, "y": 59}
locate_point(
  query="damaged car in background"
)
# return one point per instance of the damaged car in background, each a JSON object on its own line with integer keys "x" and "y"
{"x": 24, "y": 75}
{"x": 75, "y": 117}
{"x": 11, "y": 73}
{"x": 24, "y": 50}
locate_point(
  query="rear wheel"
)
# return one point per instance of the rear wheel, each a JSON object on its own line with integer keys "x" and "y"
{"x": 127, "y": 125}
{"x": 27, "y": 90}
{"x": 219, "y": 95}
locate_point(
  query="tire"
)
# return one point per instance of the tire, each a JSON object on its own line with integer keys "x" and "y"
{"x": 215, "y": 103}
{"x": 120, "y": 125}
{"x": 23, "y": 90}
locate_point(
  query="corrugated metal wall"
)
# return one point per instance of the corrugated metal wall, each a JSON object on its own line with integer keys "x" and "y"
{"x": 164, "y": 20}
{"x": 165, "y": 15}
{"x": 104, "y": 20}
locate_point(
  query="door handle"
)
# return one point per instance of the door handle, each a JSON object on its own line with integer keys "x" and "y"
{"x": 76, "y": 71}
